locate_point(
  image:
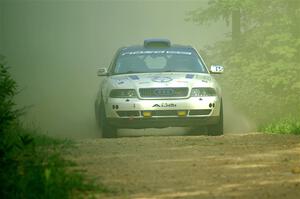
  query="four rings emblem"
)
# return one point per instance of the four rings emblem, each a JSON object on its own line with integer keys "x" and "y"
{"x": 164, "y": 92}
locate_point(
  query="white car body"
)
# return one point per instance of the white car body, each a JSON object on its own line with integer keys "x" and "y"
{"x": 161, "y": 99}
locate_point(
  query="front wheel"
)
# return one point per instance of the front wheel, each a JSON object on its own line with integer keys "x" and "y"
{"x": 217, "y": 129}
{"x": 108, "y": 131}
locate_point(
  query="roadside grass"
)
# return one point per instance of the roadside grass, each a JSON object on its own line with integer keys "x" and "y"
{"x": 45, "y": 140}
{"x": 283, "y": 126}
{"x": 34, "y": 167}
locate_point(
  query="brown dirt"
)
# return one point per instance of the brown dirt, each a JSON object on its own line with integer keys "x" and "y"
{"x": 231, "y": 166}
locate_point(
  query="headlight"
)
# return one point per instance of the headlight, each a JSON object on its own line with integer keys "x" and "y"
{"x": 203, "y": 92}
{"x": 123, "y": 93}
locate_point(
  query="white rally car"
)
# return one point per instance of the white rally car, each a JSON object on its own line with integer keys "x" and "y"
{"x": 158, "y": 85}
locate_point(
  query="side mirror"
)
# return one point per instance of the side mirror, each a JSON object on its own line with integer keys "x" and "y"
{"x": 215, "y": 69}
{"x": 102, "y": 72}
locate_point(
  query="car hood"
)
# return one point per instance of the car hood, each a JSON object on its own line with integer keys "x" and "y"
{"x": 157, "y": 80}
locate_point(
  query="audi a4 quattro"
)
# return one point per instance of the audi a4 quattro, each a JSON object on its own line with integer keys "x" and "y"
{"x": 157, "y": 85}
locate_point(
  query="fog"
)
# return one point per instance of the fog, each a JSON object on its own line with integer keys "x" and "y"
{"x": 55, "y": 47}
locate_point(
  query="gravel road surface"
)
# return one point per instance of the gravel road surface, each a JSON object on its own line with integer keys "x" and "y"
{"x": 251, "y": 165}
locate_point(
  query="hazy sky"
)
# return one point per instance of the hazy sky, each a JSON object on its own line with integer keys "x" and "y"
{"x": 54, "y": 48}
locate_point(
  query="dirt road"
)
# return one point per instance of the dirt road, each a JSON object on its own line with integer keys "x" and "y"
{"x": 230, "y": 166}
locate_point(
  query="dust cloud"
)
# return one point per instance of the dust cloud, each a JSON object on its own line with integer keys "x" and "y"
{"x": 235, "y": 121}
{"x": 55, "y": 47}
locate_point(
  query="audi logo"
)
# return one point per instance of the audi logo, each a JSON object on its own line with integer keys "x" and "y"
{"x": 164, "y": 92}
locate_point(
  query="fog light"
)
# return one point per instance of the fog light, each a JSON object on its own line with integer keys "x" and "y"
{"x": 146, "y": 113}
{"x": 181, "y": 113}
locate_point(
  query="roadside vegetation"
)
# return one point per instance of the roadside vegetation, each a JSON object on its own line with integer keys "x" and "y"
{"x": 31, "y": 164}
{"x": 261, "y": 56}
{"x": 283, "y": 126}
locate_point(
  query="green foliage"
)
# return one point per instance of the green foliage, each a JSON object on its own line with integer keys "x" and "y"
{"x": 283, "y": 126}
{"x": 7, "y": 91}
{"x": 263, "y": 66}
{"x": 28, "y": 171}
{"x": 42, "y": 140}
{"x": 31, "y": 165}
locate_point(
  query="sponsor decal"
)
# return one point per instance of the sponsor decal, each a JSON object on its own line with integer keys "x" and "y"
{"x": 165, "y": 105}
{"x": 189, "y": 76}
{"x": 162, "y": 79}
{"x": 134, "y": 77}
{"x": 120, "y": 81}
{"x": 120, "y": 78}
{"x": 179, "y": 52}
{"x": 145, "y": 52}
{"x": 205, "y": 78}
{"x": 182, "y": 81}
{"x": 144, "y": 82}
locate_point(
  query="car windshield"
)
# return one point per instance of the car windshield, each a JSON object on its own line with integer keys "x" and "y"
{"x": 150, "y": 61}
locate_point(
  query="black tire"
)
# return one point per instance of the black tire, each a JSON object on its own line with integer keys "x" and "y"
{"x": 108, "y": 131}
{"x": 217, "y": 129}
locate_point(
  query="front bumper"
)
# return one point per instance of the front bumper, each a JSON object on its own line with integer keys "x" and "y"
{"x": 140, "y": 123}
{"x": 128, "y": 113}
